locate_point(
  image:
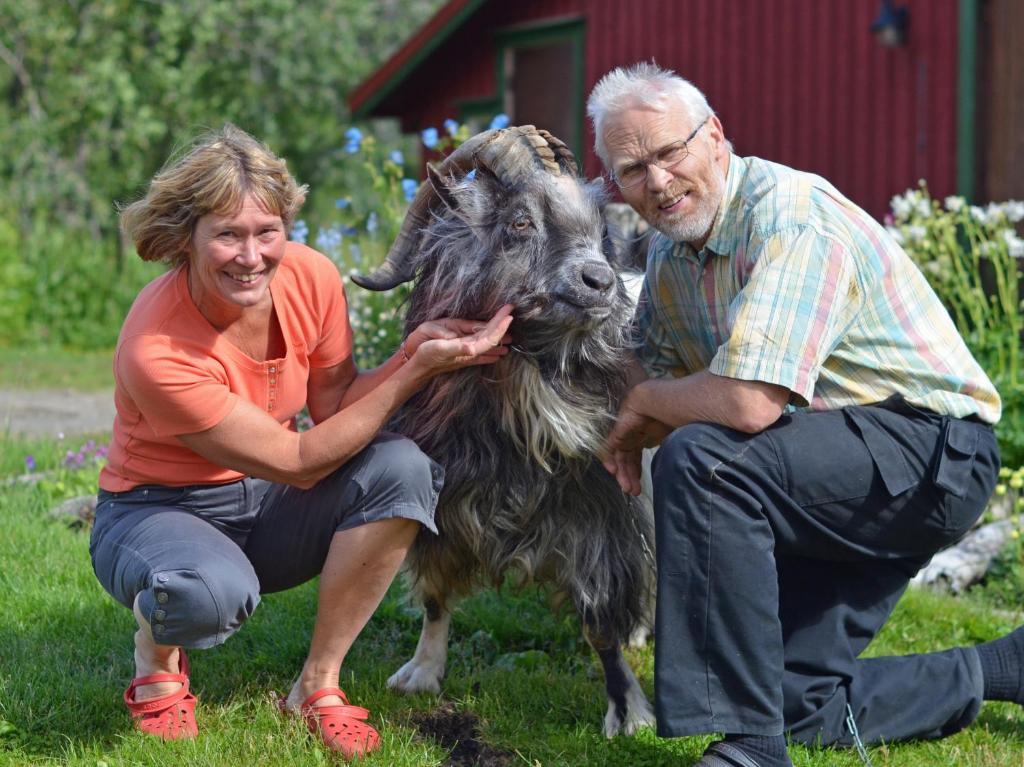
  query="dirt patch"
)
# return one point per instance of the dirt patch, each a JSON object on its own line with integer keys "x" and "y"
{"x": 459, "y": 731}
{"x": 55, "y": 412}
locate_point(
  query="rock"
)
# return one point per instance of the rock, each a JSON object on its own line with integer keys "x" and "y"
{"x": 77, "y": 512}
{"x": 964, "y": 564}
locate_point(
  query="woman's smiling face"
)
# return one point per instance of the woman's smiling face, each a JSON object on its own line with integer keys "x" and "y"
{"x": 234, "y": 258}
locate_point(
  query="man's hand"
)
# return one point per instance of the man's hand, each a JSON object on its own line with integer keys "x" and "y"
{"x": 632, "y": 432}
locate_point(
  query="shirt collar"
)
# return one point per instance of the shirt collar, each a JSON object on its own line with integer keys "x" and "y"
{"x": 724, "y": 236}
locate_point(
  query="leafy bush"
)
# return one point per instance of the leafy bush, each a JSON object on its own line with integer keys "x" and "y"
{"x": 59, "y": 289}
{"x": 972, "y": 257}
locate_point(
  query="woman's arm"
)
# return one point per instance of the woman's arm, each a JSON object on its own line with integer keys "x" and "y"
{"x": 251, "y": 441}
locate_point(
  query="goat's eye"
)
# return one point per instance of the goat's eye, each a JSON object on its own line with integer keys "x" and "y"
{"x": 522, "y": 223}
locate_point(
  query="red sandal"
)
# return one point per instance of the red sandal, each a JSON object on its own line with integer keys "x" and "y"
{"x": 170, "y": 716}
{"x": 341, "y": 728}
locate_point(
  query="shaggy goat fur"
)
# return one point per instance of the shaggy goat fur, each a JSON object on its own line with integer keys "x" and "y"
{"x": 524, "y": 492}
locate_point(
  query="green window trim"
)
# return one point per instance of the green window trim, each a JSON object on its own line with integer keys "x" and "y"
{"x": 967, "y": 100}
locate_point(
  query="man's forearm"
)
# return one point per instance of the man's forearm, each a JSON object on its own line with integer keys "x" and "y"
{"x": 747, "y": 406}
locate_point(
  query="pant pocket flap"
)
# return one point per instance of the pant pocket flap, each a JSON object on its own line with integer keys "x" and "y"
{"x": 885, "y": 453}
{"x": 962, "y": 437}
{"x": 953, "y": 471}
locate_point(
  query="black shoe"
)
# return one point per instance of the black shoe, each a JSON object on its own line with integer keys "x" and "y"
{"x": 721, "y": 754}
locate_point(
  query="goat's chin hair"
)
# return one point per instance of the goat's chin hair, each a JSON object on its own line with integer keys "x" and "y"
{"x": 542, "y": 425}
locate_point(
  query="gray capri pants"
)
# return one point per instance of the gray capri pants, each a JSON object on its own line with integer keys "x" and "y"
{"x": 199, "y": 557}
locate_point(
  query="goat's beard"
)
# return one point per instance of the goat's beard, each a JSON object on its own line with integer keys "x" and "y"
{"x": 696, "y": 226}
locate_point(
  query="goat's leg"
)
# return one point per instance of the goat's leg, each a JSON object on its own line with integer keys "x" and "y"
{"x": 644, "y": 632}
{"x": 628, "y": 707}
{"x": 425, "y": 670}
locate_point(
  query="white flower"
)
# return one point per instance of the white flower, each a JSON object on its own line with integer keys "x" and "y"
{"x": 1014, "y": 210}
{"x": 916, "y": 233}
{"x": 978, "y": 214}
{"x": 1014, "y": 244}
{"x": 923, "y": 207}
{"x": 902, "y": 206}
{"x": 896, "y": 234}
{"x": 994, "y": 212}
{"x": 954, "y": 203}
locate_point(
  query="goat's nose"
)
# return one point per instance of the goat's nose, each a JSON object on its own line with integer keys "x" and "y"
{"x": 598, "y": 276}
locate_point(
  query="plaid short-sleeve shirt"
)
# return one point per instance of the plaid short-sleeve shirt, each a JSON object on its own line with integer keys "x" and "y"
{"x": 799, "y": 287}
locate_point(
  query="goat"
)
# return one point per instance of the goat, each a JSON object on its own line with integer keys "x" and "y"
{"x": 507, "y": 219}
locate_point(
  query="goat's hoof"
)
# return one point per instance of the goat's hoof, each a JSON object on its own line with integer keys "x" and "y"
{"x": 640, "y": 637}
{"x": 414, "y": 677}
{"x": 638, "y": 715}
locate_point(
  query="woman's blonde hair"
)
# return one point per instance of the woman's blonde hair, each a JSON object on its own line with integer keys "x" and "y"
{"x": 214, "y": 175}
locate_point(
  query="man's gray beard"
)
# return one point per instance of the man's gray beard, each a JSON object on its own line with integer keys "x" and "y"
{"x": 697, "y": 226}
{"x": 692, "y": 228}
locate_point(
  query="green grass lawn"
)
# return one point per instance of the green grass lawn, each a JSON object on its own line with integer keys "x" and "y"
{"x": 65, "y": 658}
{"x": 56, "y": 369}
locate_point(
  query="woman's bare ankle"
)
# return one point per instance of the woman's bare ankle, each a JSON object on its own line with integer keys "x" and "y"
{"x": 151, "y": 659}
{"x": 308, "y": 683}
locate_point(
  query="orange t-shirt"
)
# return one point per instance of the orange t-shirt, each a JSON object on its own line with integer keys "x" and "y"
{"x": 175, "y": 374}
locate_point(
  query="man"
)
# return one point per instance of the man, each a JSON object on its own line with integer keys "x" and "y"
{"x": 823, "y": 428}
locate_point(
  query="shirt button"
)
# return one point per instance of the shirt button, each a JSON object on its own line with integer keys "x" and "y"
{"x": 273, "y": 369}
{"x": 159, "y": 614}
{"x": 158, "y": 628}
{"x": 161, "y": 597}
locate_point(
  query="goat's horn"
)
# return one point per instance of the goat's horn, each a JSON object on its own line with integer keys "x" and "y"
{"x": 510, "y": 153}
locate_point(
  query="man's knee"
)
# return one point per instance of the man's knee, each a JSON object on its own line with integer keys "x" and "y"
{"x": 691, "y": 452}
{"x": 199, "y": 606}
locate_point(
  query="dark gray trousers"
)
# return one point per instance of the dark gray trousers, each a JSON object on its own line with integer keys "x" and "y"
{"x": 199, "y": 557}
{"x": 781, "y": 555}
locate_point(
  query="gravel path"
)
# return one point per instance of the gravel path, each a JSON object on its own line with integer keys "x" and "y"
{"x": 52, "y": 412}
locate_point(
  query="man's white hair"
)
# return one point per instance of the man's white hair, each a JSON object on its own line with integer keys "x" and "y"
{"x": 644, "y": 84}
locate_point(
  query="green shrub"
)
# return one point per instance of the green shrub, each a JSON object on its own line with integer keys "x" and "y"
{"x": 972, "y": 257}
{"x": 59, "y": 289}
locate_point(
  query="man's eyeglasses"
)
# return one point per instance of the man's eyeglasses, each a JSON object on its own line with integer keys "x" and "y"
{"x": 665, "y": 158}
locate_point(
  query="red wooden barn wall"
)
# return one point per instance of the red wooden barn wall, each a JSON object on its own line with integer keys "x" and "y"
{"x": 802, "y": 82}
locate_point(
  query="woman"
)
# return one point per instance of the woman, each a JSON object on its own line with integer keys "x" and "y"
{"x": 210, "y": 496}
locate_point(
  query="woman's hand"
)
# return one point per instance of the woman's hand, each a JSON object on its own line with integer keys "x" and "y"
{"x": 448, "y": 344}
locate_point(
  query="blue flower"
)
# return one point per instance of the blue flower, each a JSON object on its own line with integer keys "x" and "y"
{"x": 353, "y": 140}
{"x": 451, "y": 126}
{"x": 30, "y": 462}
{"x": 500, "y": 121}
{"x": 300, "y": 231}
{"x": 329, "y": 240}
{"x": 371, "y": 222}
{"x": 355, "y": 253}
{"x": 409, "y": 188}
{"x": 342, "y": 202}
{"x": 430, "y": 137}
{"x": 397, "y": 158}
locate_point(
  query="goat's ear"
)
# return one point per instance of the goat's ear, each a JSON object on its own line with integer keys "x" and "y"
{"x": 441, "y": 188}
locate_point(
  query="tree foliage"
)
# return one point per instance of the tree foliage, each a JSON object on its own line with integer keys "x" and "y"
{"x": 96, "y": 94}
